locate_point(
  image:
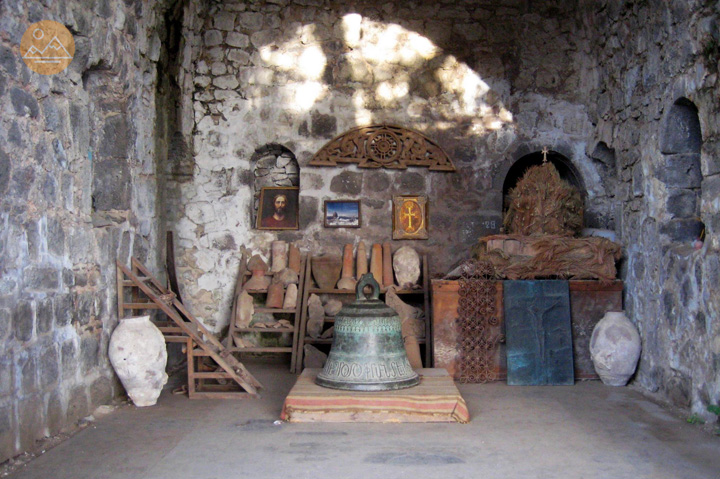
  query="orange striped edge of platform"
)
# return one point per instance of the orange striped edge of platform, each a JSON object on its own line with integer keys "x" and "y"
{"x": 435, "y": 399}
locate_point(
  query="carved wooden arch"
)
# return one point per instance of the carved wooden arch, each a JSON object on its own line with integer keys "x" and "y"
{"x": 387, "y": 146}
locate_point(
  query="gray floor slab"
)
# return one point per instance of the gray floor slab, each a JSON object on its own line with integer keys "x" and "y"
{"x": 583, "y": 431}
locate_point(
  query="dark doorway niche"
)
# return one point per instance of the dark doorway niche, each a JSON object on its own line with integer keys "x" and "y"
{"x": 681, "y": 173}
{"x": 565, "y": 168}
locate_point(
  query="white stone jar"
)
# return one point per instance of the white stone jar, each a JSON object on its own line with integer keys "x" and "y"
{"x": 406, "y": 263}
{"x": 615, "y": 348}
{"x": 138, "y": 354}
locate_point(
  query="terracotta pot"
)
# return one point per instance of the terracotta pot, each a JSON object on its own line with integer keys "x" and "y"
{"x": 615, "y": 348}
{"x": 326, "y": 271}
{"x": 258, "y": 281}
{"x": 138, "y": 354}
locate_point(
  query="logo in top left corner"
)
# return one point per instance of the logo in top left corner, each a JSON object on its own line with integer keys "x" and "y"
{"x": 47, "y": 47}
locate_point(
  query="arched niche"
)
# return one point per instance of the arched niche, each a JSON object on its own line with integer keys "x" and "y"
{"x": 565, "y": 168}
{"x": 680, "y": 172}
{"x": 273, "y": 165}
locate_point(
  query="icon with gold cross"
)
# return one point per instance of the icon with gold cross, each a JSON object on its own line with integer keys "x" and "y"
{"x": 410, "y": 216}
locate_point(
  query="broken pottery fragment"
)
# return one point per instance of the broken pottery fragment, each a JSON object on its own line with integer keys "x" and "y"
{"x": 294, "y": 258}
{"x": 265, "y": 319}
{"x": 326, "y": 270}
{"x": 387, "y": 266}
{"x": 406, "y": 263}
{"x": 279, "y": 256}
{"x": 245, "y": 310}
{"x": 376, "y": 264}
{"x": 347, "y": 281}
{"x": 286, "y": 277}
{"x": 316, "y": 316}
{"x": 314, "y": 358}
{"x": 258, "y": 267}
{"x": 407, "y": 314}
{"x": 275, "y": 296}
{"x": 328, "y": 333}
{"x": 361, "y": 261}
{"x": 333, "y": 307}
{"x": 291, "y": 293}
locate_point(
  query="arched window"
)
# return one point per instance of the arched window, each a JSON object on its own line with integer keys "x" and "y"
{"x": 565, "y": 168}
{"x": 680, "y": 145}
{"x": 273, "y": 165}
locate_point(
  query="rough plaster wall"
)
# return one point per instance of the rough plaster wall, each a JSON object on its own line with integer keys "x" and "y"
{"x": 77, "y": 192}
{"x": 488, "y": 83}
{"x": 654, "y": 53}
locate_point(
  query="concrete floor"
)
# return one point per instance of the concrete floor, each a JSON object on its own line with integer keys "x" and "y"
{"x": 583, "y": 431}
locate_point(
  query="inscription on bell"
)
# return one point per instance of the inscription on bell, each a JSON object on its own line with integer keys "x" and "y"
{"x": 372, "y": 371}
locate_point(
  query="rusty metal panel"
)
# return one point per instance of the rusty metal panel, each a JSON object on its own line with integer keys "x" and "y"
{"x": 589, "y": 301}
{"x": 444, "y": 315}
{"x": 446, "y": 331}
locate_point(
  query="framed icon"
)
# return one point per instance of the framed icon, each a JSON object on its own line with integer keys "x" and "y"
{"x": 342, "y": 214}
{"x": 410, "y": 217}
{"x": 278, "y": 208}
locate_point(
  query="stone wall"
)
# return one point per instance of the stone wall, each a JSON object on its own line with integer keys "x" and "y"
{"x": 659, "y": 68}
{"x": 77, "y": 192}
{"x": 488, "y": 84}
{"x": 170, "y": 110}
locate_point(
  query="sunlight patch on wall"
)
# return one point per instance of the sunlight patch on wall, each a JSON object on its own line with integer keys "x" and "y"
{"x": 351, "y": 26}
{"x": 389, "y": 91}
{"x": 392, "y": 65}
{"x": 284, "y": 60}
{"x": 307, "y": 94}
{"x": 311, "y": 63}
{"x": 363, "y": 116}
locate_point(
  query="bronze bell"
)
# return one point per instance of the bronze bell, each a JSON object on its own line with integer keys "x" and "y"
{"x": 367, "y": 353}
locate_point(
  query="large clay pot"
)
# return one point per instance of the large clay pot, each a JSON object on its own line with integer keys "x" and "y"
{"x": 138, "y": 354}
{"x": 615, "y": 348}
{"x": 326, "y": 271}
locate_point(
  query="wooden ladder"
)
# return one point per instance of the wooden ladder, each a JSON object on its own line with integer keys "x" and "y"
{"x": 184, "y": 327}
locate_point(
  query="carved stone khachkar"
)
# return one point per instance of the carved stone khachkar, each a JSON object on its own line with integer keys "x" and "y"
{"x": 386, "y": 146}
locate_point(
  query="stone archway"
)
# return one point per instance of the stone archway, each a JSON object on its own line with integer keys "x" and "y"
{"x": 273, "y": 165}
{"x": 681, "y": 172}
{"x": 565, "y": 168}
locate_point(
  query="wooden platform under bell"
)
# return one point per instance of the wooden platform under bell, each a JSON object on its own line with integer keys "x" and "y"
{"x": 435, "y": 399}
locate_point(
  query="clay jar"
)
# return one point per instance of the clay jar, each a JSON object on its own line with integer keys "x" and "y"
{"x": 615, "y": 348}
{"x": 258, "y": 281}
{"x": 138, "y": 354}
{"x": 326, "y": 271}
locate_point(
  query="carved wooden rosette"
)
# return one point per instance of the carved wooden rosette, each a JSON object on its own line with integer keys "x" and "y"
{"x": 385, "y": 146}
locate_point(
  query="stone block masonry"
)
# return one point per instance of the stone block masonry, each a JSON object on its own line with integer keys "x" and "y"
{"x": 75, "y": 145}
{"x": 489, "y": 85}
{"x": 299, "y": 75}
{"x": 156, "y": 125}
